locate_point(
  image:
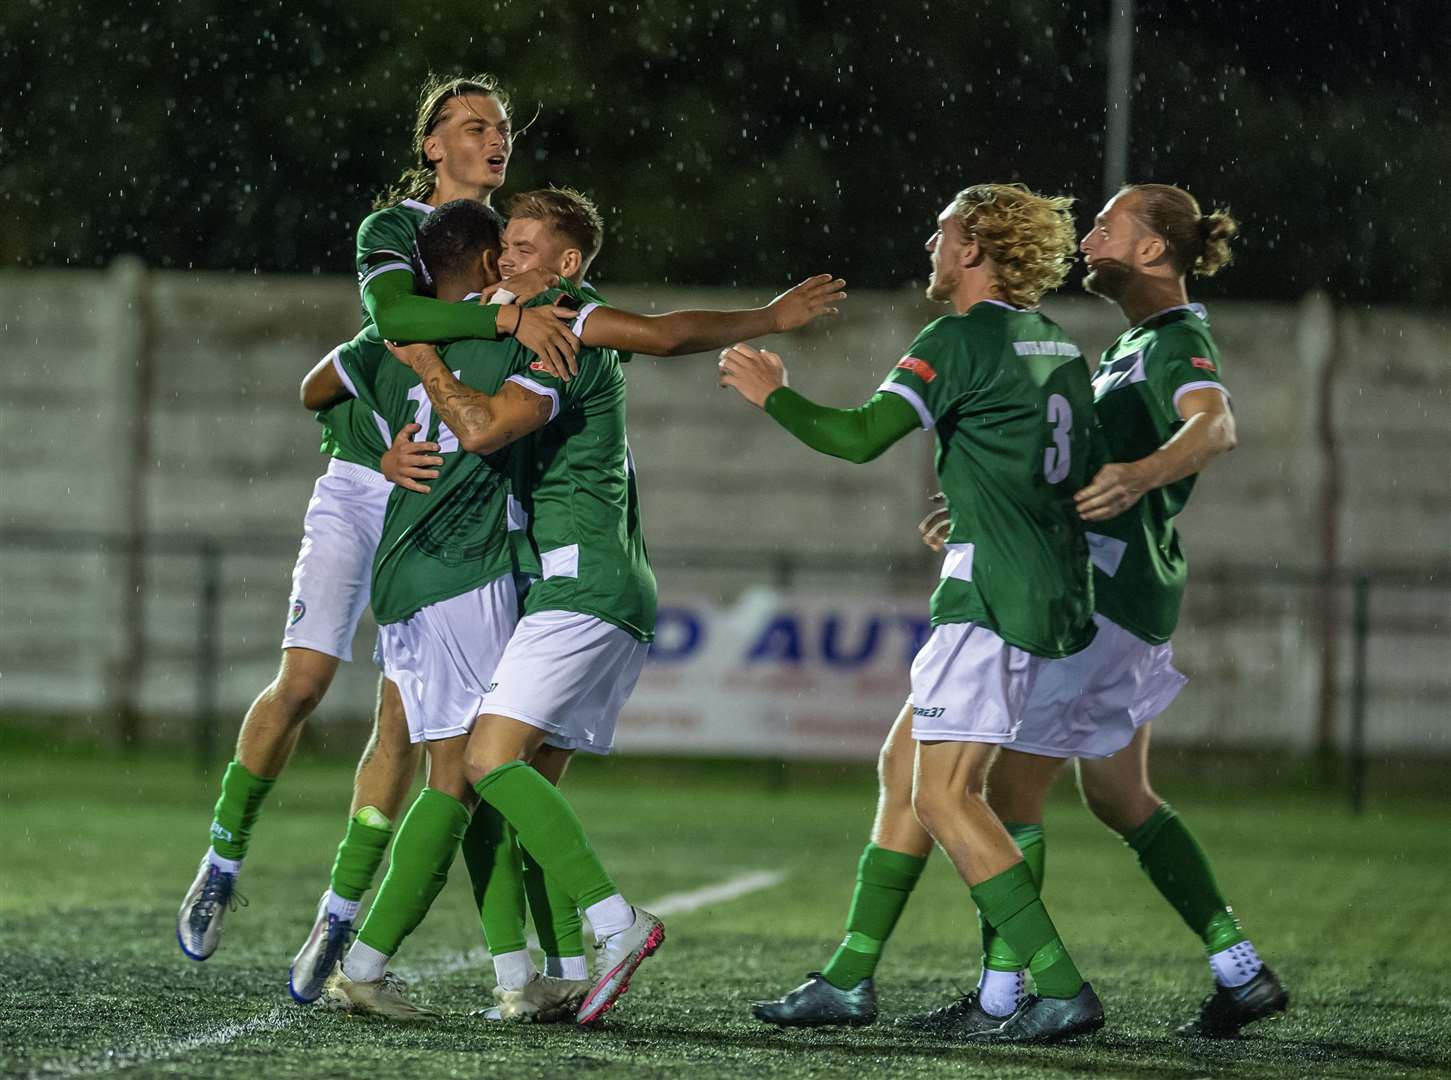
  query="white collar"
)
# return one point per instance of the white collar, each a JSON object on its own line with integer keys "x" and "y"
{"x": 1197, "y": 309}
{"x": 414, "y": 204}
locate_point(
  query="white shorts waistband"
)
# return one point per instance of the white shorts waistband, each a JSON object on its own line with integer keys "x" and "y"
{"x": 360, "y": 473}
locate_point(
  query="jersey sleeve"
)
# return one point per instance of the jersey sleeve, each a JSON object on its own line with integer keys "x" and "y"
{"x": 1178, "y": 363}
{"x": 923, "y": 375}
{"x": 385, "y": 242}
{"x": 357, "y": 366}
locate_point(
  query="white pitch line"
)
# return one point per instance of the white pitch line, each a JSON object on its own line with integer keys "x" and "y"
{"x": 284, "y": 1016}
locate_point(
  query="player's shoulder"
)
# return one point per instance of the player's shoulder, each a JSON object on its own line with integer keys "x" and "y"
{"x": 1180, "y": 332}
{"x": 401, "y": 217}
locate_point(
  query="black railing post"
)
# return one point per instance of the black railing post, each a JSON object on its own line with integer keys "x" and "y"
{"x": 1360, "y": 630}
{"x": 208, "y": 646}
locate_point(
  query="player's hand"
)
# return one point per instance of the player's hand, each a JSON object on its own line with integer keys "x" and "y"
{"x": 934, "y": 527}
{"x": 807, "y": 302}
{"x": 416, "y": 356}
{"x": 753, "y": 373}
{"x": 542, "y": 333}
{"x": 406, "y": 462}
{"x": 1116, "y": 488}
{"x": 525, "y": 286}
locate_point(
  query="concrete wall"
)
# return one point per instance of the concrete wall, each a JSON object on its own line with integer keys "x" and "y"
{"x": 164, "y": 405}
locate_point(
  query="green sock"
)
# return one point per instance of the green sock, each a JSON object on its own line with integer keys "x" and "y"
{"x": 237, "y": 808}
{"x": 997, "y": 955}
{"x": 884, "y": 881}
{"x": 1180, "y": 870}
{"x": 548, "y": 829}
{"x": 1009, "y": 901}
{"x": 360, "y": 853}
{"x": 491, "y": 850}
{"x": 556, "y": 919}
{"x": 427, "y": 842}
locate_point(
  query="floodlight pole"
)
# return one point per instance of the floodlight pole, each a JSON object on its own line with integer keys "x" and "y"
{"x": 1120, "y": 97}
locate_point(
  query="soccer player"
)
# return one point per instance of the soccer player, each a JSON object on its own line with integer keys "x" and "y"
{"x": 1009, "y": 398}
{"x": 462, "y": 143}
{"x": 1165, "y": 414}
{"x": 574, "y": 657}
{"x": 570, "y": 231}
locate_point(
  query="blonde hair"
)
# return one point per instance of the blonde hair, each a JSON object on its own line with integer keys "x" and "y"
{"x": 1197, "y": 243}
{"x": 438, "y": 90}
{"x": 568, "y": 212}
{"x": 1030, "y": 238}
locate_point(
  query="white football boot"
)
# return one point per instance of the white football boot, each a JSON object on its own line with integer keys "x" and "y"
{"x": 616, "y": 960}
{"x": 199, "y": 922}
{"x": 319, "y": 954}
{"x": 544, "y": 999}
{"x": 384, "y": 997}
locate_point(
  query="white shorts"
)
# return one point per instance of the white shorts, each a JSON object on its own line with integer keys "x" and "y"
{"x": 334, "y": 568}
{"x": 443, "y": 656}
{"x": 969, "y": 685}
{"x": 568, "y": 674}
{"x": 1091, "y": 703}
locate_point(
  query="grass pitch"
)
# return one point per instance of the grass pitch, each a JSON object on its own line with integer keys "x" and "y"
{"x": 97, "y": 849}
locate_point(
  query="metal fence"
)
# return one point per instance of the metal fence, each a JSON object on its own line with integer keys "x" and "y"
{"x": 1344, "y": 686}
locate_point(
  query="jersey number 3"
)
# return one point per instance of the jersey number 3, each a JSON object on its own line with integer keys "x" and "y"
{"x": 447, "y": 440}
{"x": 1056, "y": 458}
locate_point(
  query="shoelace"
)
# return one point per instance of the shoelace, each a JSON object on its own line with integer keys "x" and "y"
{"x": 219, "y": 888}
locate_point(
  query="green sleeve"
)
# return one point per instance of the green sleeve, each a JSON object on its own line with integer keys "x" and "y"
{"x": 403, "y": 316}
{"x": 857, "y": 435}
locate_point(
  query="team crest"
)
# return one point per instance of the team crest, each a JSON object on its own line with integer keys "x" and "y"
{"x": 299, "y": 609}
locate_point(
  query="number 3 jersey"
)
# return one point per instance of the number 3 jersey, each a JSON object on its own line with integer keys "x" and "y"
{"x": 1139, "y": 565}
{"x": 1009, "y": 398}
{"x": 455, "y": 538}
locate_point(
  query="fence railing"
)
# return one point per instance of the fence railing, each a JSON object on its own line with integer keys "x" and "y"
{"x": 780, "y": 569}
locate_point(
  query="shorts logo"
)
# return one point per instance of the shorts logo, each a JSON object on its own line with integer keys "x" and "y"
{"x": 920, "y": 368}
{"x": 299, "y": 609}
{"x": 1202, "y": 362}
{"x": 490, "y": 688}
{"x": 928, "y": 714}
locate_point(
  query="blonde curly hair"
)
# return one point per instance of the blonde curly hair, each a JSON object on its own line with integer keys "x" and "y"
{"x": 1029, "y": 237}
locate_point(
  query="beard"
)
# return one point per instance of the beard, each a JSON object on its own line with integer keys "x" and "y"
{"x": 939, "y": 287}
{"x": 1108, "y": 279}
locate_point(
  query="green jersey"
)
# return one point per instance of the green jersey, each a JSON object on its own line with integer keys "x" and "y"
{"x": 581, "y": 498}
{"x": 455, "y": 538}
{"x": 1139, "y": 565}
{"x": 1009, "y": 397}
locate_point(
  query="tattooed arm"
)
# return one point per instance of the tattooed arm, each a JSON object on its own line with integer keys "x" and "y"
{"x": 483, "y": 422}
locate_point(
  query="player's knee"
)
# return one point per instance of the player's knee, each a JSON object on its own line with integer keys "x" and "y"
{"x": 1121, "y": 810}
{"x": 929, "y": 806}
{"x": 298, "y": 695}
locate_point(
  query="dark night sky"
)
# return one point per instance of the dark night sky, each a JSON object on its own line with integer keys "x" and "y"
{"x": 745, "y": 142}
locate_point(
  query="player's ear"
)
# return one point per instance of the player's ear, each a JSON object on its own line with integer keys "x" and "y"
{"x": 433, "y": 149}
{"x": 1152, "y": 248}
{"x": 569, "y": 263}
{"x": 490, "y": 263}
{"x": 972, "y": 252}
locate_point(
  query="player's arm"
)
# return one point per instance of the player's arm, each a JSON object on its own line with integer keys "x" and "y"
{"x": 483, "y": 422}
{"x": 856, "y": 435}
{"x": 1208, "y": 431}
{"x": 679, "y": 333}
{"x": 401, "y": 315}
{"x": 323, "y": 386}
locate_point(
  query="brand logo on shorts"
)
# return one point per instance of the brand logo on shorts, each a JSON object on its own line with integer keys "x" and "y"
{"x": 928, "y": 714}
{"x": 920, "y": 368}
{"x": 490, "y": 688}
{"x": 299, "y": 609}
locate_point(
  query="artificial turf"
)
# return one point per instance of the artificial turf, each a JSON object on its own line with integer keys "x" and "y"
{"x": 96, "y": 850}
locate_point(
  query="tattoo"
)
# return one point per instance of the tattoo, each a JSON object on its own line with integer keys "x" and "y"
{"x": 465, "y": 410}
